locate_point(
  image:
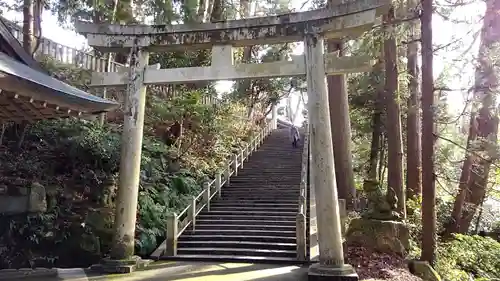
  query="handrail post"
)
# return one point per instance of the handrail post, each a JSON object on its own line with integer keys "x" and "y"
{"x": 192, "y": 212}
{"x": 242, "y": 157}
{"x": 171, "y": 239}
{"x": 206, "y": 190}
{"x": 301, "y": 236}
{"x": 342, "y": 215}
{"x": 235, "y": 164}
{"x": 218, "y": 186}
{"x": 302, "y": 204}
{"x": 227, "y": 172}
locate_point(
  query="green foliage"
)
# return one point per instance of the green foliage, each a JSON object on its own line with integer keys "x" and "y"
{"x": 78, "y": 161}
{"x": 464, "y": 255}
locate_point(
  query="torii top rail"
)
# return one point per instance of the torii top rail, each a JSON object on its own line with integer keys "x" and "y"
{"x": 338, "y": 21}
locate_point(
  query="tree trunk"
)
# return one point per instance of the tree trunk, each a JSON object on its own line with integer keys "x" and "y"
{"x": 37, "y": 26}
{"x": 28, "y": 26}
{"x": 393, "y": 126}
{"x": 217, "y": 11}
{"x": 382, "y": 159}
{"x": 484, "y": 124}
{"x": 413, "y": 145}
{"x": 244, "y": 86}
{"x": 203, "y": 10}
{"x": 453, "y": 224}
{"x": 341, "y": 131}
{"x": 376, "y": 137}
{"x": 428, "y": 127}
{"x": 28, "y": 45}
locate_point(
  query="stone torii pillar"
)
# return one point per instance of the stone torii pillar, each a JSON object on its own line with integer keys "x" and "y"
{"x": 122, "y": 250}
{"x": 130, "y": 157}
{"x": 331, "y": 264}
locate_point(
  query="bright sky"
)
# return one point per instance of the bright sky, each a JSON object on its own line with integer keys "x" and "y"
{"x": 444, "y": 32}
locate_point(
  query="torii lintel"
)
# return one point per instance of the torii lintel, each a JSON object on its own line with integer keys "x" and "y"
{"x": 342, "y": 20}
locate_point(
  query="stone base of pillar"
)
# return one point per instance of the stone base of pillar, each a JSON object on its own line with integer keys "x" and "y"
{"x": 120, "y": 266}
{"x": 345, "y": 272}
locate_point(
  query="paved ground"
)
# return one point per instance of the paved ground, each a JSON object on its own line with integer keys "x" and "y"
{"x": 181, "y": 271}
{"x": 188, "y": 271}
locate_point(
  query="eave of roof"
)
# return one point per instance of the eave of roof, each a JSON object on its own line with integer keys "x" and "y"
{"x": 17, "y": 48}
{"x": 44, "y": 96}
{"x": 53, "y": 90}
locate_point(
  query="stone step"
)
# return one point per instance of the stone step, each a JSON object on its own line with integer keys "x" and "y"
{"x": 275, "y": 197}
{"x": 255, "y": 175}
{"x": 261, "y": 180}
{"x": 243, "y": 238}
{"x": 286, "y": 178}
{"x": 237, "y": 244}
{"x": 261, "y": 193}
{"x": 224, "y": 227}
{"x": 245, "y": 222}
{"x": 285, "y": 191}
{"x": 263, "y": 184}
{"x": 293, "y": 187}
{"x": 213, "y": 216}
{"x": 257, "y": 201}
{"x": 249, "y": 232}
{"x": 256, "y": 191}
{"x": 267, "y": 166}
{"x": 253, "y": 213}
{"x": 253, "y": 208}
{"x": 238, "y": 204}
{"x": 273, "y": 154}
{"x": 232, "y": 258}
{"x": 281, "y": 165}
{"x": 236, "y": 252}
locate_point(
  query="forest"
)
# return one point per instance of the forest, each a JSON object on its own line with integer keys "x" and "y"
{"x": 423, "y": 129}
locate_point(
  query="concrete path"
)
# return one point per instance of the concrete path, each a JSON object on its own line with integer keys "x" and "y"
{"x": 184, "y": 271}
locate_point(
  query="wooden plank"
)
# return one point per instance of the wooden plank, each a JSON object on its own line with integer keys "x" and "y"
{"x": 296, "y": 67}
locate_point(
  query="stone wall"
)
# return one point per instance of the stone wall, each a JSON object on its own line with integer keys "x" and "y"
{"x": 21, "y": 197}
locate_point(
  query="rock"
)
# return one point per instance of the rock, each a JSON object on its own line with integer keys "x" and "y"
{"x": 23, "y": 190}
{"x": 37, "y": 198}
{"x": 423, "y": 270}
{"x": 379, "y": 235}
{"x": 13, "y": 204}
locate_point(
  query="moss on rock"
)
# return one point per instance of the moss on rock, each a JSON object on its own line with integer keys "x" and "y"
{"x": 379, "y": 235}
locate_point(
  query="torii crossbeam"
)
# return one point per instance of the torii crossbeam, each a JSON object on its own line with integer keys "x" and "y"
{"x": 345, "y": 20}
{"x": 348, "y": 19}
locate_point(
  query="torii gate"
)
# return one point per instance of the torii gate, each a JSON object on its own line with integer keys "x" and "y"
{"x": 311, "y": 27}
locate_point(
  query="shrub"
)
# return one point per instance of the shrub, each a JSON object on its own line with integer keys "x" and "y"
{"x": 464, "y": 255}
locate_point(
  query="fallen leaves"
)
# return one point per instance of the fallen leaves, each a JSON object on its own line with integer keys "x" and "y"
{"x": 373, "y": 266}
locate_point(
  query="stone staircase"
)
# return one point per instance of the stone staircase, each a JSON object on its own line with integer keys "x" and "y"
{"x": 255, "y": 218}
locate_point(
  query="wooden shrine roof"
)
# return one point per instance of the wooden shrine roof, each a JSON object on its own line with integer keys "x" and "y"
{"x": 27, "y": 93}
